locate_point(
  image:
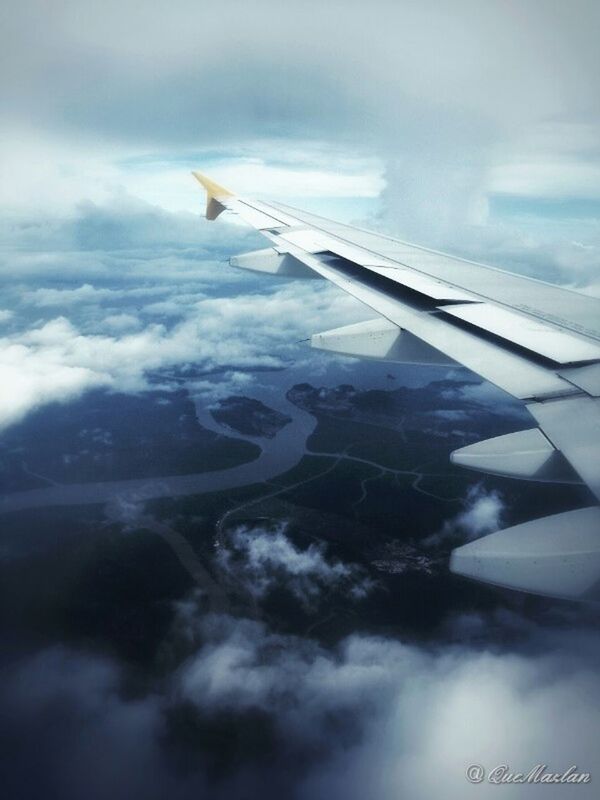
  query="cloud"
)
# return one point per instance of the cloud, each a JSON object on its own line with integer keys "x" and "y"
{"x": 459, "y": 709}
{"x": 155, "y": 296}
{"x": 260, "y": 560}
{"x": 36, "y": 377}
{"x": 482, "y": 513}
{"x": 478, "y": 103}
{"x": 545, "y": 161}
{"x": 118, "y": 226}
{"x": 438, "y": 60}
{"x": 78, "y": 696}
{"x": 118, "y": 323}
{"x": 302, "y": 169}
{"x": 293, "y": 717}
{"x": 85, "y": 293}
{"x": 57, "y": 362}
{"x": 400, "y": 720}
{"x": 487, "y": 395}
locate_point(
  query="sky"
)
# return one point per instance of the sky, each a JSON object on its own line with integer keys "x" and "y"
{"x": 470, "y": 127}
{"x": 450, "y": 117}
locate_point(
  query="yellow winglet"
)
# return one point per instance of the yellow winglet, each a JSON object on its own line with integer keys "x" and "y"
{"x": 214, "y": 192}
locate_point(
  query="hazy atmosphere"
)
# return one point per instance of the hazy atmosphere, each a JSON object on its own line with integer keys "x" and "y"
{"x": 289, "y": 629}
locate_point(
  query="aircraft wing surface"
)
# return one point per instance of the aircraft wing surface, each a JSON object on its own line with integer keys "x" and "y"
{"x": 534, "y": 340}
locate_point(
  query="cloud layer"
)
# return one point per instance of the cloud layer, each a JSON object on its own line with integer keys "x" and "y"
{"x": 369, "y": 712}
{"x": 455, "y": 105}
{"x": 152, "y": 304}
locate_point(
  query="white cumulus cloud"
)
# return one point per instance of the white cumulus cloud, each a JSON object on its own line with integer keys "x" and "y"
{"x": 56, "y": 361}
{"x": 260, "y": 559}
{"x": 481, "y": 514}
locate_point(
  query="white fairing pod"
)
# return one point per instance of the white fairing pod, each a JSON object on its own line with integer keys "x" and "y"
{"x": 271, "y": 262}
{"x": 378, "y": 339}
{"x": 557, "y": 556}
{"x": 525, "y": 454}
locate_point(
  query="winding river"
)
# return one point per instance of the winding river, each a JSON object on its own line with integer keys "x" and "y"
{"x": 277, "y": 455}
{"x": 124, "y": 501}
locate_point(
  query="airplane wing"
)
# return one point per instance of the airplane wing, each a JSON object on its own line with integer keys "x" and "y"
{"x": 538, "y": 342}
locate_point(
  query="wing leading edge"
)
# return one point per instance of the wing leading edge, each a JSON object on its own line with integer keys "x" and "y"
{"x": 538, "y": 342}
